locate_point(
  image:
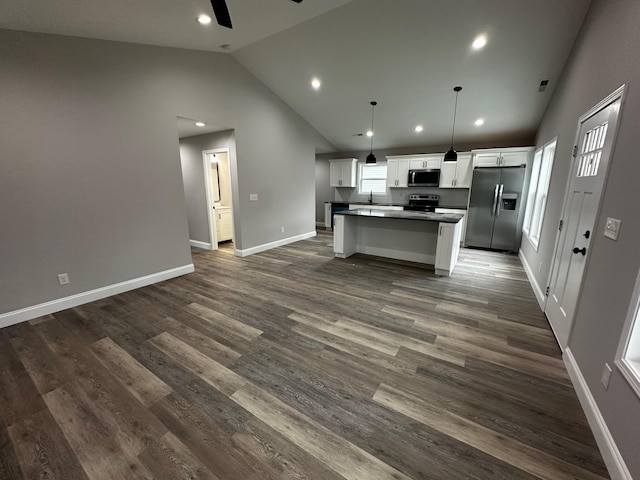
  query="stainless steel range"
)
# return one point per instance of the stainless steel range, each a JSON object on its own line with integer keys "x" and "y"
{"x": 421, "y": 202}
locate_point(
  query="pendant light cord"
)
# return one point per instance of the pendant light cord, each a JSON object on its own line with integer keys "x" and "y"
{"x": 455, "y": 112}
{"x": 373, "y": 109}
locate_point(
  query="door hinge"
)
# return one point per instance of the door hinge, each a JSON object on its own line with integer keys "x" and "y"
{"x": 561, "y": 224}
{"x": 575, "y": 151}
{"x": 546, "y": 292}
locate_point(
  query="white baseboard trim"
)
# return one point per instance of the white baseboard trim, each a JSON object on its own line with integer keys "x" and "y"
{"x": 319, "y": 224}
{"x": 611, "y": 455}
{"x": 35, "y": 311}
{"x": 197, "y": 244}
{"x": 278, "y": 243}
{"x": 538, "y": 292}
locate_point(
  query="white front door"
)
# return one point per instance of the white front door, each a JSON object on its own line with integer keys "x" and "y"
{"x": 595, "y": 138}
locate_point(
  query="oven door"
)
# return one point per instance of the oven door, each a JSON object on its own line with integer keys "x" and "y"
{"x": 424, "y": 178}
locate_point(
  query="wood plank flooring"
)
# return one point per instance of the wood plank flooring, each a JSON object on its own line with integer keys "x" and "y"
{"x": 291, "y": 364}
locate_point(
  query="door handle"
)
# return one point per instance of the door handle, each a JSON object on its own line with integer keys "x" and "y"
{"x": 499, "y": 200}
{"x": 495, "y": 200}
{"x": 582, "y": 250}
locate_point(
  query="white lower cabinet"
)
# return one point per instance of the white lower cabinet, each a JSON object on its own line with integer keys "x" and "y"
{"x": 224, "y": 224}
{"x": 327, "y": 216}
{"x": 463, "y": 222}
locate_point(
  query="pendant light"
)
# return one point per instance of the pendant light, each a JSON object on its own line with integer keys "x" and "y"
{"x": 371, "y": 158}
{"x": 452, "y": 155}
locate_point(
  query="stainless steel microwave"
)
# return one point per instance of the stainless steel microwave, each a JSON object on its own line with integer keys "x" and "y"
{"x": 424, "y": 178}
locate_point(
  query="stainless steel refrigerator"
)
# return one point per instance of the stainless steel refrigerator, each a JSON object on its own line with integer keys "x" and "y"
{"x": 496, "y": 208}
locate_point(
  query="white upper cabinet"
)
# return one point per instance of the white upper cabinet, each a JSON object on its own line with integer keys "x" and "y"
{"x": 503, "y": 157}
{"x": 457, "y": 174}
{"x": 342, "y": 172}
{"x": 431, "y": 161}
{"x": 398, "y": 166}
{"x": 397, "y": 172}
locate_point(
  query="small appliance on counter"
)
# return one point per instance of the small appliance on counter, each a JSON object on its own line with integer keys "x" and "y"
{"x": 420, "y": 202}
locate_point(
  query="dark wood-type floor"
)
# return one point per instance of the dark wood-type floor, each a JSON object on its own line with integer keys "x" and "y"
{"x": 291, "y": 364}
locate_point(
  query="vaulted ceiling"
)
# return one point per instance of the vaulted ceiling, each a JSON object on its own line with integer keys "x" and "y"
{"x": 405, "y": 54}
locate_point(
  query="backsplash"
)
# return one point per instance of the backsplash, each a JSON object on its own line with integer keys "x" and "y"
{"x": 451, "y": 197}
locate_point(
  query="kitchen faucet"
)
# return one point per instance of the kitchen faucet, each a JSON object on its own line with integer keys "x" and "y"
{"x": 371, "y": 198}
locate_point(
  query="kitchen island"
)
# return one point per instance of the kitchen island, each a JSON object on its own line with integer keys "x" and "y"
{"x": 423, "y": 237}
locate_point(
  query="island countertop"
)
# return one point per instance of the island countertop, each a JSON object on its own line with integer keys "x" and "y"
{"x": 404, "y": 215}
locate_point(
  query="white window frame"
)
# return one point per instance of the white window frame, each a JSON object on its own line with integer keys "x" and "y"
{"x": 628, "y": 355}
{"x": 361, "y": 167}
{"x": 538, "y": 191}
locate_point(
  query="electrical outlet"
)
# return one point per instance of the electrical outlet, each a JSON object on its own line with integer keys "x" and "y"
{"x": 63, "y": 279}
{"x": 612, "y": 228}
{"x": 606, "y": 376}
{"x": 253, "y": 197}
{"x": 282, "y": 229}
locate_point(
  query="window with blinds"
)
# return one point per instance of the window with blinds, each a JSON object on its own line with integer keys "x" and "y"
{"x": 373, "y": 178}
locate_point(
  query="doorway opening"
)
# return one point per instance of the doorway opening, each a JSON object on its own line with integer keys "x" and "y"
{"x": 217, "y": 176}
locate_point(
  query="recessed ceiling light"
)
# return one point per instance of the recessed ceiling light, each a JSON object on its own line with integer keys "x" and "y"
{"x": 315, "y": 83}
{"x": 479, "y": 122}
{"x": 369, "y": 133}
{"x": 204, "y": 19}
{"x": 200, "y": 124}
{"x": 479, "y": 42}
{"x": 419, "y": 128}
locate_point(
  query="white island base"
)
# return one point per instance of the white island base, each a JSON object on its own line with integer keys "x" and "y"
{"x": 411, "y": 239}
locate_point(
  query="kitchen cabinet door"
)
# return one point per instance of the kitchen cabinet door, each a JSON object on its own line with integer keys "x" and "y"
{"x": 464, "y": 171}
{"x": 433, "y": 161}
{"x": 513, "y": 159}
{"x": 397, "y": 172}
{"x": 342, "y": 173}
{"x": 463, "y": 222}
{"x": 487, "y": 159}
{"x": 448, "y": 174}
{"x": 456, "y": 174}
{"x": 224, "y": 225}
{"x": 327, "y": 216}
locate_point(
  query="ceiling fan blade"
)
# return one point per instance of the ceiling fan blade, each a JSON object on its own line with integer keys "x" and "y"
{"x": 297, "y": 1}
{"x": 222, "y": 13}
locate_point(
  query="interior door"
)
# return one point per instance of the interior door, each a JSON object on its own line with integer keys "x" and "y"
{"x": 595, "y": 139}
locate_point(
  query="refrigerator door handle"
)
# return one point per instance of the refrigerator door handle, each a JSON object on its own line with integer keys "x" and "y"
{"x": 495, "y": 200}
{"x": 498, "y": 209}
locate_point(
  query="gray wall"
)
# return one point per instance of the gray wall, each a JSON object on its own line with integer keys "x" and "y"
{"x": 324, "y": 193}
{"x": 90, "y": 177}
{"x": 604, "y": 57}
{"x": 193, "y": 177}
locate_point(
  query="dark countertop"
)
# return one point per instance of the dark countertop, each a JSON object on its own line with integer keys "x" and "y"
{"x": 373, "y": 205}
{"x": 403, "y": 215}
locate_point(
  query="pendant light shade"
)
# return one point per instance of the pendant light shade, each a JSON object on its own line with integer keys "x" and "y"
{"x": 371, "y": 158}
{"x": 452, "y": 155}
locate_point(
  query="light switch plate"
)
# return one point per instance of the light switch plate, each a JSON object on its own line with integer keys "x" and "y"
{"x": 612, "y": 228}
{"x": 253, "y": 197}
